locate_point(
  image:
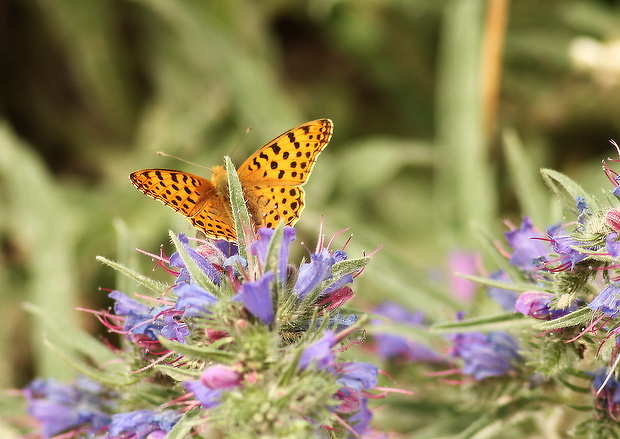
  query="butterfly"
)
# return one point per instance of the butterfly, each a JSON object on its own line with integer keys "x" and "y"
{"x": 271, "y": 179}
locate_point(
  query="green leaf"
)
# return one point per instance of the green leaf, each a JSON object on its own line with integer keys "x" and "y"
{"x": 418, "y": 333}
{"x": 195, "y": 272}
{"x": 80, "y": 342}
{"x": 183, "y": 427}
{"x": 574, "y": 388}
{"x": 153, "y": 285}
{"x": 511, "y": 286}
{"x": 556, "y": 180}
{"x": 576, "y": 318}
{"x": 210, "y": 352}
{"x": 105, "y": 377}
{"x": 243, "y": 222}
{"x": 177, "y": 373}
{"x": 341, "y": 268}
{"x": 483, "y": 324}
{"x": 533, "y": 198}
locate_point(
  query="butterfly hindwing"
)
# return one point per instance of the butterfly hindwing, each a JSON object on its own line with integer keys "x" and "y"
{"x": 271, "y": 204}
{"x": 215, "y": 220}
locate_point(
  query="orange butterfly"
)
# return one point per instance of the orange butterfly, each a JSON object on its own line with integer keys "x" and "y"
{"x": 271, "y": 178}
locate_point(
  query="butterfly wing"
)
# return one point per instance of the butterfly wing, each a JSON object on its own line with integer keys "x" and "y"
{"x": 194, "y": 197}
{"x": 273, "y": 176}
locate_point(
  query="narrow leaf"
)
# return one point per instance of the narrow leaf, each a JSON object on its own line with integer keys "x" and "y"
{"x": 177, "y": 373}
{"x": 209, "y": 352}
{"x": 519, "y": 287}
{"x": 243, "y": 222}
{"x": 483, "y": 323}
{"x": 182, "y": 428}
{"x": 533, "y": 198}
{"x": 105, "y": 377}
{"x": 153, "y": 285}
{"x": 80, "y": 341}
{"x": 555, "y": 180}
{"x": 576, "y": 318}
{"x": 341, "y": 268}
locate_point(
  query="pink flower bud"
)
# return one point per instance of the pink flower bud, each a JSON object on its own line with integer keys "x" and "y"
{"x": 613, "y": 219}
{"x": 215, "y": 334}
{"x": 220, "y": 377}
{"x": 534, "y": 304}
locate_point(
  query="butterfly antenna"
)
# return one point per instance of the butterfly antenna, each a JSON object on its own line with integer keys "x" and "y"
{"x": 182, "y": 160}
{"x": 247, "y": 130}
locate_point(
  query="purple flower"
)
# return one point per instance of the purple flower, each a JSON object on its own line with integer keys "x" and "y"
{"x": 206, "y": 266}
{"x": 234, "y": 263}
{"x": 141, "y": 424}
{"x": 582, "y": 209}
{"x": 256, "y": 297}
{"x": 320, "y": 353}
{"x": 360, "y": 420}
{"x": 396, "y": 346}
{"x": 313, "y": 273}
{"x": 62, "y": 407}
{"x": 612, "y": 245}
{"x": 335, "y": 320}
{"x": 261, "y": 245}
{"x": 227, "y": 248}
{"x": 485, "y": 355}
{"x": 607, "y": 390}
{"x": 193, "y": 300}
{"x": 608, "y": 300}
{"x": 174, "y": 329}
{"x": 139, "y": 318}
{"x": 506, "y": 298}
{"x": 207, "y": 397}
{"x": 529, "y": 250}
{"x": 357, "y": 376}
{"x": 563, "y": 245}
{"x": 220, "y": 377}
{"x": 537, "y": 304}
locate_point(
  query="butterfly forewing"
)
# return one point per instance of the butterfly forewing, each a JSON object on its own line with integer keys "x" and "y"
{"x": 192, "y": 196}
{"x": 288, "y": 159}
{"x": 181, "y": 191}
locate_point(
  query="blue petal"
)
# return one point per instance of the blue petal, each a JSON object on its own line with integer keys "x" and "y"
{"x": 313, "y": 273}
{"x": 256, "y": 297}
{"x": 192, "y": 300}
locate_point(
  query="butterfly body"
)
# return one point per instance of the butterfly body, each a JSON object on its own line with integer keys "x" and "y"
{"x": 271, "y": 179}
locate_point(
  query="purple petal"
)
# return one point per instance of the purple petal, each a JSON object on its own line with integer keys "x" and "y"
{"x": 607, "y": 301}
{"x": 207, "y": 397}
{"x": 256, "y": 297}
{"x": 192, "y": 300}
{"x": 528, "y": 248}
{"x": 313, "y": 273}
{"x": 321, "y": 353}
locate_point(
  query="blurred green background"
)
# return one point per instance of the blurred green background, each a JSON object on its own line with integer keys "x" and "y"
{"x": 435, "y": 104}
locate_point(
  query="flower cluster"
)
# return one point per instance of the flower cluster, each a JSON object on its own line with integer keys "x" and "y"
{"x": 566, "y": 280}
{"x": 554, "y": 326}
{"x": 243, "y": 344}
